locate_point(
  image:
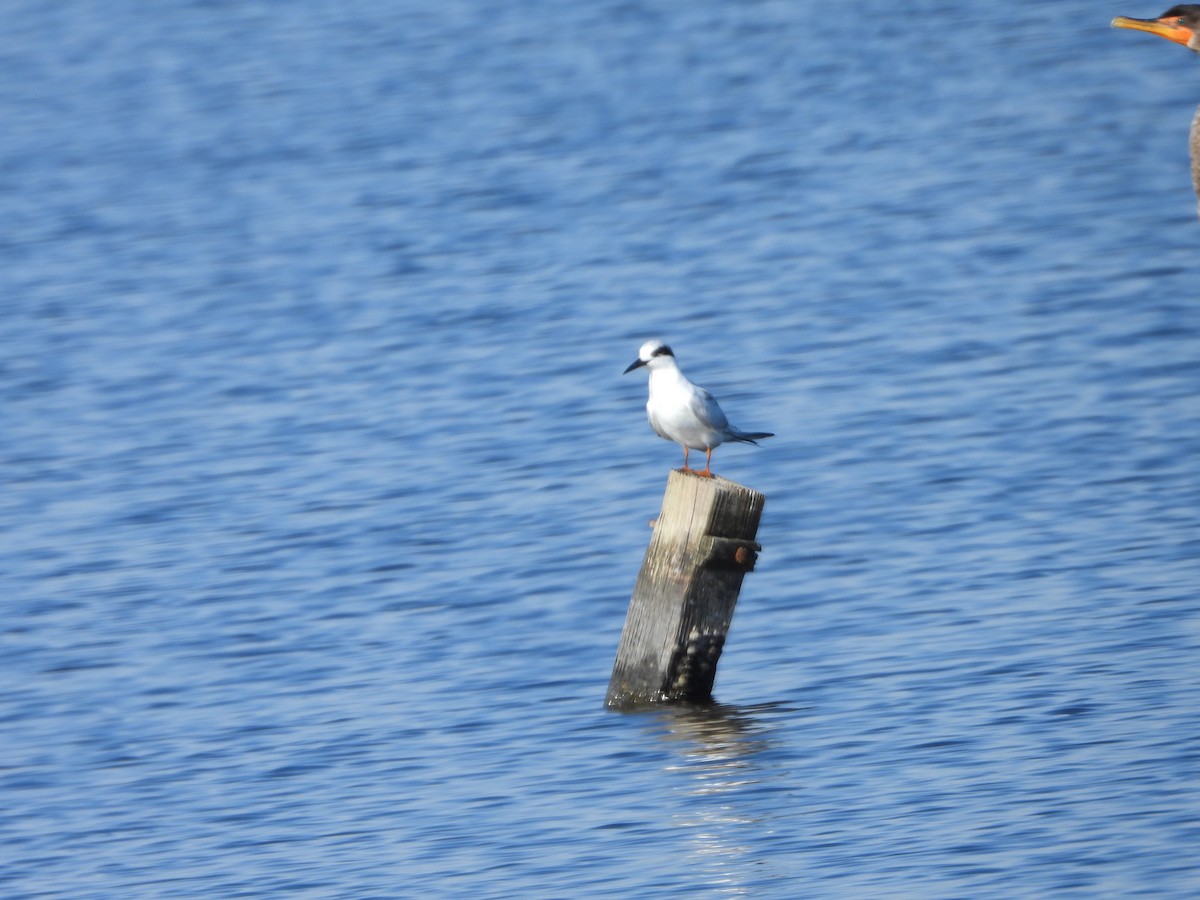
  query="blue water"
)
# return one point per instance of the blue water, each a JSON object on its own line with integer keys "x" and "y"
{"x": 324, "y": 495}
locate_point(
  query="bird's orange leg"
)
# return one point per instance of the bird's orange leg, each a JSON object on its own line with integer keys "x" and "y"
{"x": 707, "y": 473}
{"x": 685, "y": 456}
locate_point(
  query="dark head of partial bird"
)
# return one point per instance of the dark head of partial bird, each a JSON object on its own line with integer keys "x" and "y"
{"x": 1180, "y": 24}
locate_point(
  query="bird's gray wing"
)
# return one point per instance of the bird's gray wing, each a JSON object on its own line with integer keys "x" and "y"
{"x": 706, "y": 409}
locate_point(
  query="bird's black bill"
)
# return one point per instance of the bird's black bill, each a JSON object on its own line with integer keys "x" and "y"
{"x": 636, "y": 364}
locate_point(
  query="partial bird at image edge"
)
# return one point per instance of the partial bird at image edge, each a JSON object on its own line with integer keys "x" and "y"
{"x": 1180, "y": 25}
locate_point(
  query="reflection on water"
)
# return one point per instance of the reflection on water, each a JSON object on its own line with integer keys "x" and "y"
{"x": 717, "y": 731}
{"x": 720, "y": 756}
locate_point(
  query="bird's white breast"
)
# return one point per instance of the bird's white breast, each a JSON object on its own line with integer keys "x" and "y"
{"x": 681, "y": 412}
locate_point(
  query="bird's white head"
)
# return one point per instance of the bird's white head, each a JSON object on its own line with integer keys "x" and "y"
{"x": 654, "y": 354}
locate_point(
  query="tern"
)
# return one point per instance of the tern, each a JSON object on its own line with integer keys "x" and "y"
{"x": 680, "y": 411}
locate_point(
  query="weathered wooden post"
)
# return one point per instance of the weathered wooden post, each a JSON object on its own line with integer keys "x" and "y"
{"x": 701, "y": 548}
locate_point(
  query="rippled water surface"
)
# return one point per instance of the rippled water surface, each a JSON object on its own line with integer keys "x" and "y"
{"x": 324, "y": 494}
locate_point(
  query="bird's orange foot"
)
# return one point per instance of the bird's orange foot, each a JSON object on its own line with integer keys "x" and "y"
{"x": 705, "y": 473}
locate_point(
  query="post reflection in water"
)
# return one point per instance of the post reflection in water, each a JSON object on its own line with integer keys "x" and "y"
{"x": 722, "y": 755}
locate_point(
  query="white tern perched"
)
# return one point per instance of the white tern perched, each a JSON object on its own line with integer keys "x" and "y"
{"x": 682, "y": 412}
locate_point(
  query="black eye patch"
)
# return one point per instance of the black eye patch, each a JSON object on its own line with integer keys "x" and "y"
{"x": 664, "y": 350}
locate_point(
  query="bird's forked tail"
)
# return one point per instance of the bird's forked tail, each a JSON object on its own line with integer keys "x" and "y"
{"x": 750, "y": 437}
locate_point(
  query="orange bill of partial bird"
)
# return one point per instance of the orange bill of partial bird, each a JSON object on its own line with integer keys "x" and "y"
{"x": 1170, "y": 26}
